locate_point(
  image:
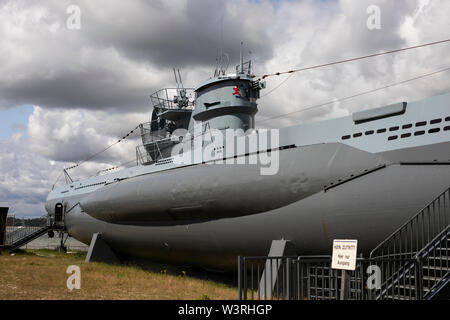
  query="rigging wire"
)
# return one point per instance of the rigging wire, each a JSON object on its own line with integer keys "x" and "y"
{"x": 353, "y": 59}
{"x": 279, "y": 85}
{"x": 100, "y": 152}
{"x": 355, "y": 95}
{"x": 57, "y": 179}
{"x": 118, "y": 166}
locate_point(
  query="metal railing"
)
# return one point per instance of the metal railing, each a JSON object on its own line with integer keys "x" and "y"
{"x": 415, "y": 234}
{"x": 148, "y": 136}
{"x": 258, "y": 277}
{"x": 246, "y": 66}
{"x": 434, "y": 264}
{"x": 312, "y": 278}
{"x": 14, "y": 234}
{"x": 318, "y": 281}
{"x": 155, "y": 142}
{"x": 400, "y": 279}
{"x": 173, "y": 98}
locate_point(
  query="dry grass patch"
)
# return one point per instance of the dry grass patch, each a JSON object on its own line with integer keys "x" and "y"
{"x": 41, "y": 274}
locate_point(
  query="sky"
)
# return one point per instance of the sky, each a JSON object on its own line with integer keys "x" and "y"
{"x": 75, "y": 76}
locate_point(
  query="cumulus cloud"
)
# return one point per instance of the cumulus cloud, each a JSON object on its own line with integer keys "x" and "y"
{"x": 25, "y": 177}
{"x": 90, "y": 86}
{"x": 75, "y": 135}
{"x": 337, "y": 30}
{"x": 120, "y": 54}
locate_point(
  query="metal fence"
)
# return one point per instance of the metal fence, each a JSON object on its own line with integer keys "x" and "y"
{"x": 14, "y": 234}
{"x": 312, "y": 278}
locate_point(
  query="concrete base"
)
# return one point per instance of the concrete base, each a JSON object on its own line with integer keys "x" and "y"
{"x": 275, "y": 268}
{"x": 100, "y": 251}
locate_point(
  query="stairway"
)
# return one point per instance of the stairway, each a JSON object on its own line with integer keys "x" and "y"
{"x": 22, "y": 236}
{"x": 421, "y": 251}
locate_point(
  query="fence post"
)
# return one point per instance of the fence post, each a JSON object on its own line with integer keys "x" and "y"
{"x": 345, "y": 284}
{"x": 419, "y": 282}
{"x": 288, "y": 278}
{"x": 240, "y": 278}
{"x": 245, "y": 278}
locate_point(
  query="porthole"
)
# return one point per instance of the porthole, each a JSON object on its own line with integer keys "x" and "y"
{"x": 435, "y": 121}
{"x": 421, "y": 124}
{"x": 435, "y": 130}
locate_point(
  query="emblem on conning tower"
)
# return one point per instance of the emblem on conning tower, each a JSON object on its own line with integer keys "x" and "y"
{"x": 236, "y": 91}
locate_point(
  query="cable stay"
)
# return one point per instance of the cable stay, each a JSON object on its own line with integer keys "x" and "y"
{"x": 353, "y": 59}
{"x": 355, "y": 95}
{"x": 116, "y": 167}
{"x": 100, "y": 152}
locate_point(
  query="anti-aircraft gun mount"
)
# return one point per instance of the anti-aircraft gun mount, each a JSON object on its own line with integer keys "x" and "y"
{"x": 172, "y": 109}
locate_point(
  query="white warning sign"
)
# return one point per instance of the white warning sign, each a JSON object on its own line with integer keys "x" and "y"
{"x": 344, "y": 254}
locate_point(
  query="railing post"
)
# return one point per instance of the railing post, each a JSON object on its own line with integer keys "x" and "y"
{"x": 245, "y": 278}
{"x": 240, "y": 278}
{"x": 418, "y": 276}
{"x": 288, "y": 279}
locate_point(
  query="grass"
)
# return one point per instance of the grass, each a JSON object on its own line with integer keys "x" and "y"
{"x": 41, "y": 274}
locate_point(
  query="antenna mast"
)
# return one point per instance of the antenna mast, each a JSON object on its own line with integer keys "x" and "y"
{"x": 241, "y": 59}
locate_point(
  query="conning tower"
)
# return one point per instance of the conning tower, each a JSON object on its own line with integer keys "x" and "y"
{"x": 228, "y": 101}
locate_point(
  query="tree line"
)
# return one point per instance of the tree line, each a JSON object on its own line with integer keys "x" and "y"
{"x": 12, "y": 221}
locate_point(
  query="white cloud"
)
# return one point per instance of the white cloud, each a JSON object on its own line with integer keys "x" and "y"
{"x": 25, "y": 178}
{"x": 75, "y": 135}
{"x": 337, "y": 30}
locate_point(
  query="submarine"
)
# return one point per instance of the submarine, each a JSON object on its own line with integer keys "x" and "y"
{"x": 208, "y": 187}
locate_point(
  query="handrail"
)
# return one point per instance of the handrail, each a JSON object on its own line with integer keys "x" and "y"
{"x": 441, "y": 270}
{"x": 173, "y": 98}
{"x": 312, "y": 277}
{"x": 441, "y": 237}
{"x": 21, "y": 232}
{"x": 16, "y": 237}
{"x": 407, "y": 236}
